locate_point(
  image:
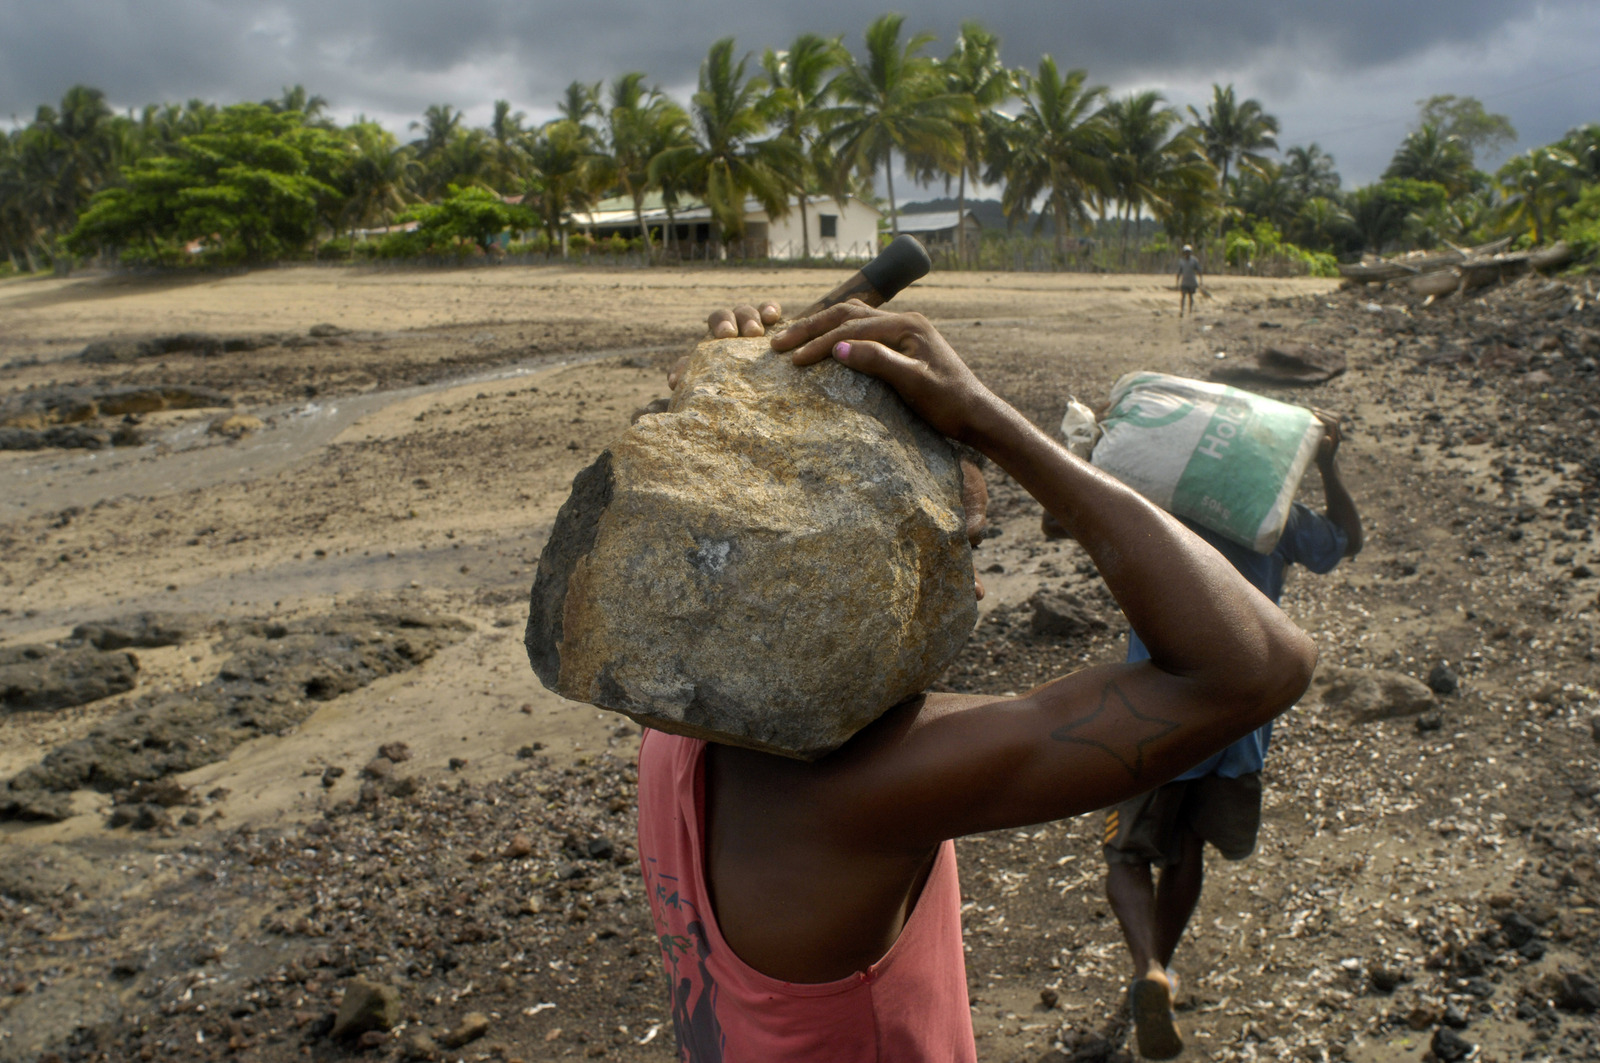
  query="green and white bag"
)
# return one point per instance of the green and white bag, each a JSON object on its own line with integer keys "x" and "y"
{"x": 1224, "y": 458}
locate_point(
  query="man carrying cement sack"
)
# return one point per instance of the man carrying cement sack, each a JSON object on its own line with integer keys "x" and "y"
{"x": 1219, "y": 799}
{"x": 810, "y": 910}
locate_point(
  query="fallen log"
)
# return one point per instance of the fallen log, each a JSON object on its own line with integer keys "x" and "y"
{"x": 1443, "y": 282}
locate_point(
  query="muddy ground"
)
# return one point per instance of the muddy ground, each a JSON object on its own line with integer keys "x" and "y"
{"x": 333, "y": 762}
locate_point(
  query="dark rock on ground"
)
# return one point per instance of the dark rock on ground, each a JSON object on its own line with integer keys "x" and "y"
{"x": 272, "y": 680}
{"x": 140, "y": 629}
{"x": 49, "y": 677}
{"x": 1449, "y": 1046}
{"x": 1368, "y": 694}
{"x": 473, "y": 1026}
{"x": 1442, "y": 680}
{"x": 366, "y": 1006}
{"x": 1062, "y": 615}
{"x": 1288, "y": 363}
{"x": 1576, "y": 992}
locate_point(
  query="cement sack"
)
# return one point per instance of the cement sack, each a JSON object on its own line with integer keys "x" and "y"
{"x": 1227, "y": 459}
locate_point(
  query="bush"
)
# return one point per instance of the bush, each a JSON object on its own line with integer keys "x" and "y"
{"x": 336, "y": 249}
{"x": 580, "y": 242}
{"x": 1581, "y": 227}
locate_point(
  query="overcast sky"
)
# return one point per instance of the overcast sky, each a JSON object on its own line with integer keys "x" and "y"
{"x": 1344, "y": 73}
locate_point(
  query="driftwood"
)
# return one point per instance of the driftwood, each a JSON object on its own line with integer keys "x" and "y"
{"x": 1412, "y": 265}
{"x": 1482, "y": 271}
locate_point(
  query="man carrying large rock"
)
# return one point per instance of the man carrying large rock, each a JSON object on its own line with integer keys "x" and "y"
{"x": 809, "y": 910}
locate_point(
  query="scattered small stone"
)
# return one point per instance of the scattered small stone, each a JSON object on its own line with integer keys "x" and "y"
{"x": 1384, "y": 978}
{"x": 456, "y": 763}
{"x": 1449, "y": 1046}
{"x": 472, "y": 1027}
{"x": 330, "y": 775}
{"x": 419, "y": 1048}
{"x": 372, "y": 1039}
{"x": 1061, "y": 615}
{"x": 1429, "y": 722}
{"x": 366, "y": 1006}
{"x": 519, "y": 846}
{"x": 1049, "y": 997}
{"x": 1576, "y": 992}
{"x": 398, "y": 752}
{"x": 1455, "y": 1018}
{"x": 1442, "y": 680}
{"x": 378, "y": 768}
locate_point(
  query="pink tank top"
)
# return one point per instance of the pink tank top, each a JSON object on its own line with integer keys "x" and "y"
{"x": 909, "y": 1007}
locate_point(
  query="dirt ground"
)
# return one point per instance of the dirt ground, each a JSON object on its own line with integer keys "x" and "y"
{"x": 1422, "y": 882}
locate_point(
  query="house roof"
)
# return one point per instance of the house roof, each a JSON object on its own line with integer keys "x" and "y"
{"x": 935, "y": 222}
{"x": 619, "y": 210}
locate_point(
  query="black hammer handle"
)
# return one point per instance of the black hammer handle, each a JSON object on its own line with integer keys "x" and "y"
{"x": 897, "y": 266}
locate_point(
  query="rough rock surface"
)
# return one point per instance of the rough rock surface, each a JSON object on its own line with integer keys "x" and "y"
{"x": 48, "y": 677}
{"x": 1367, "y": 694}
{"x": 772, "y": 563}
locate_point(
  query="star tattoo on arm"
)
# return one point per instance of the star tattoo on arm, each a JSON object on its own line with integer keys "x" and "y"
{"x": 1110, "y": 728}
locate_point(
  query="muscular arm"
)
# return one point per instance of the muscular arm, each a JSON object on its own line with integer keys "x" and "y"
{"x": 1224, "y": 659}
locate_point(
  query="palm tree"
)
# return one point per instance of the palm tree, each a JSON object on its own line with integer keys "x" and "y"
{"x": 642, "y": 123}
{"x": 1147, "y": 163}
{"x": 974, "y": 69}
{"x": 296, "y": 99}
{"x": 1057, "y": 147}
{"x": 894, "y": 99}
{"x": 799, "y": 88}
{"x": 378, "y": 180}
{"x": 439, "y": 123}
{"x": 506, "y": 132}
{"x": 1310, "y": 172}
{"x": 1431, "y": 155}
{"x": 579, "y": 103}
{"x": 727, "y": 164}
{"x": 1319, "y": 221}
{"x": 1536, "y": 183}
{"x": 1231, "y": 130}
{"x": 568, "y": 173}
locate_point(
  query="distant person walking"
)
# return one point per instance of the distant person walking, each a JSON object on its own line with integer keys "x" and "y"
{"x": 1188, "y": 279}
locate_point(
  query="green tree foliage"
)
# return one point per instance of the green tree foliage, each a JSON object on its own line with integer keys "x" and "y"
{"x": 1057, "y": 147}
{"x": 1433, "y": 155}
{"x": 800, "y": 87}
{"x": 1537, "y": 184}
{"x": 252, "y": 186}
{"x": 1152, "y": 160}
{"x": 1380, "y": 213}
{"x": 973, "y": 69}
{"x": 1233, "y": 131}
{"x": 466, "y": 216}
{"x": 731, "y": 159}
{"x": 894, "y": 99}
{"x": 1464, "y": 118}
{"x": 569, "y": 173}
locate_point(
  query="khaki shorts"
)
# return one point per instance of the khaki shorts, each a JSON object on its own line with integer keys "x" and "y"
{"x": 1148, "y": 829}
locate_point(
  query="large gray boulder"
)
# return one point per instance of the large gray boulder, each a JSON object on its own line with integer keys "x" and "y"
{"x": 772, "y": 563}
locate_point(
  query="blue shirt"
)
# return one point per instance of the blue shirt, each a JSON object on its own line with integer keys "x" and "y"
{"x": 1308, "y": 539}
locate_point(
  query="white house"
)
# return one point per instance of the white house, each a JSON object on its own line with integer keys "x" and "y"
{"x": 834, "y": 231}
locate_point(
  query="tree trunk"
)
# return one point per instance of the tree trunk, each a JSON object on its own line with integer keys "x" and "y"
{"x": 638, "y": 216}
{"x": 672, "y": 233}
{"x": 894, "y": 213}
{"x": 1222, "y": 188}
{"x": 805, "y": 228}
{"x": 961, "y": 216}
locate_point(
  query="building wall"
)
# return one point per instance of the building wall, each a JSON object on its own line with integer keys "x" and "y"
{"x": 855, "y": 229}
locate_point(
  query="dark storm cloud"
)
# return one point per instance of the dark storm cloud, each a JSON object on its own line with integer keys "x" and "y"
{"x": 390, "y": 58}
